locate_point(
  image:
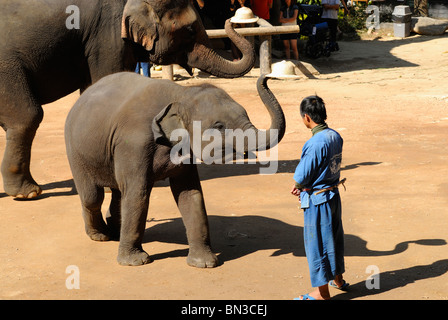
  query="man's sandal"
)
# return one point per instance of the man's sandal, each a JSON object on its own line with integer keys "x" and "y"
{"x": 305, "y": 297}
{"x": 344, "y": 286}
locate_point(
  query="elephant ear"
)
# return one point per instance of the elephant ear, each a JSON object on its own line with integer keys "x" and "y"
{"x": 139, "y": 23}
{"x": 167, "y": 121}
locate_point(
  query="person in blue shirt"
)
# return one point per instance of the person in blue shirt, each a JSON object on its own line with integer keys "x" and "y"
{"x": 316, "y": 184}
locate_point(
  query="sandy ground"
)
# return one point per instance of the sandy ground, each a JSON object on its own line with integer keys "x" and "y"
{"x": 389, "y": 100}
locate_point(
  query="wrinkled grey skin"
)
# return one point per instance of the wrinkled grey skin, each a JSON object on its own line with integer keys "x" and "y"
{"x": 117, "y": 136}
{"x": 41, "y": 60}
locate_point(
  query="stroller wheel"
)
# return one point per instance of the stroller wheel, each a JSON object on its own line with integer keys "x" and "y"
{"x": 326, "y": 51}
{"x": 314, "y": 50}
{"x": 332, "y": 47}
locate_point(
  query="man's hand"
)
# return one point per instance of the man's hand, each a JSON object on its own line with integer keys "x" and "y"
{"x": 295, "y": 191}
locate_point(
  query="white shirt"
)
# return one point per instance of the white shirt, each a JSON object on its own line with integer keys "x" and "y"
{"x": 330, "y": 13}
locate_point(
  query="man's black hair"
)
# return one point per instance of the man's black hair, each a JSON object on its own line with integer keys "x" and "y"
{"x": 314, "y": 107}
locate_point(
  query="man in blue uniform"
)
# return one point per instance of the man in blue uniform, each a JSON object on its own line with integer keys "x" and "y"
{"x": 316, "y": 183}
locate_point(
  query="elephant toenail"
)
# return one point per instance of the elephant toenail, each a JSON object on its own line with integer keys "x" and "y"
{"x": 32, "y": 195}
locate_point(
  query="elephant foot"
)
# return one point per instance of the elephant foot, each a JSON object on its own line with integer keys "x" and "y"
{"x": 98, "y": 236}
{"x": 21, "y": 188}
{"x": 133, "y": 257}
{"x": 202, "y": 259}
{"x": 98, "y": 232}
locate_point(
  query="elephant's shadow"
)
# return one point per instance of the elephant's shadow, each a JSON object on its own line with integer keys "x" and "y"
{"x": 235, "y": 237}
{"x": 216, "y": 171}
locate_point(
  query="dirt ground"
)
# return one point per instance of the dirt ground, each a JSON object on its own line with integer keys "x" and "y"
{"x": 389, "y": 100}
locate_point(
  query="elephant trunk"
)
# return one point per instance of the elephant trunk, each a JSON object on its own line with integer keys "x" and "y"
{"x": 278, "y": 123}
{"x": 205, "y": 58}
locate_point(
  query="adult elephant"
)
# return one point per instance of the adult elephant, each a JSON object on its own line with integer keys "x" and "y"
{"x": 123, "y": 135}
{"x": 50, "y": 48}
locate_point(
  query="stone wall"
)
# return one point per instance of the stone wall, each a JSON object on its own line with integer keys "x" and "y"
{"x": 438, "y": 9}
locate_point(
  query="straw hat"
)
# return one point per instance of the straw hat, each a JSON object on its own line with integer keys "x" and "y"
{"x": 244, "y": 15}
{"x": 284, "y": 70}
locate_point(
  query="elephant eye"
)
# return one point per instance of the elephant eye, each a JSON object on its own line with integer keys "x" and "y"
{"x": 191, "y": 30}
{"x": 218, "y": 126}
{"x": 188, "y": 34}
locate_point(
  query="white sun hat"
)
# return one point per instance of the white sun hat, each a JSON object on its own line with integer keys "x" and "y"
{"x": 244, "y": 15}
{"x": 284, "y": 70}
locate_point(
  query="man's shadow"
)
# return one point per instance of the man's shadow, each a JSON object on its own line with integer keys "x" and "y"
{"x": 389, "y": 280}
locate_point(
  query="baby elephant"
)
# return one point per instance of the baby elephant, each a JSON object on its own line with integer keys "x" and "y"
{"x": 118, "y": 136}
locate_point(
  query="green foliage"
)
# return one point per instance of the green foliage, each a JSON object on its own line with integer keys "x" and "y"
{"x": 355, "y": 19}
{"x": 352, "y": 22}
{"x": 313, "y": 2}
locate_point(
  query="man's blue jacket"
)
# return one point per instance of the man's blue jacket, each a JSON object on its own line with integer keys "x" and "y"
{"x": 319, "y": 167}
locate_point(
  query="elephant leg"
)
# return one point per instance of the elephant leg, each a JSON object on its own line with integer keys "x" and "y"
{"x": 92, "y": 198}
{"x": 187, "y": 192}
{"x": 113, "y": 216}
{"x": 17, "y": 179}
{"x": 134, "y": 210}
{"x": 20, "y": 116}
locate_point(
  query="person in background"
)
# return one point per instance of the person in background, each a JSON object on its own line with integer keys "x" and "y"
{"x": 199, "y": 5}
{"x": 330, "y": 16}
{"x": 145, "y": 67}
{"x": 261, "y": 8}
{"x": 236, "y": 4}
{"x": 288, "y": 16}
